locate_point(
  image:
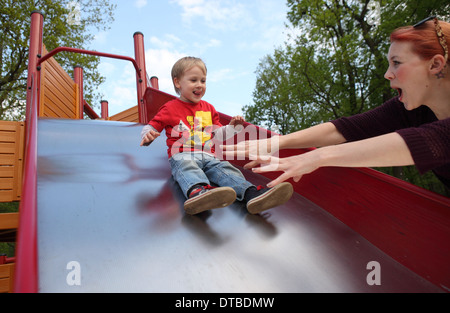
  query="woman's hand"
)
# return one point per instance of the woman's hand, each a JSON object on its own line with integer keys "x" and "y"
{"x": 292, "y": 167}
{"x": 255, "y": 150}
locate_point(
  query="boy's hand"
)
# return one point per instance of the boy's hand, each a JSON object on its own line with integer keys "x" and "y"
{"x": 148, "y": 138}
{"x": 237, "y": 120}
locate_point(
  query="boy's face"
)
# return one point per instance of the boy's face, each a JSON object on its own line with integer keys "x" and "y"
{"x": 192, "y": 85}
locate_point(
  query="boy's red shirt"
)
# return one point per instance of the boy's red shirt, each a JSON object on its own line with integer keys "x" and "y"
{"x": 188, "y": 126}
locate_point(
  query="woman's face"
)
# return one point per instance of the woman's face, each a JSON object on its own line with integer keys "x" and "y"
{"x": 408, "y": 74}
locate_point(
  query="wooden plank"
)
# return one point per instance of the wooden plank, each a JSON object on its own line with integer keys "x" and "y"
{"x": 4, "y": 285}
{"x": 52, "y": 110}
{"x": 9, "y": 220}
{"x": 8, "y": 131}
{"x": 64, "y": 95}
{"x": 11, "y": 160}
{"x": 6, "y": 277}
{"x": 7, "y": 159}
{"x": 6, "y": 183}
{"x": 58, "y": 96}
{"x": 64, "y": 90}
{"x": 20, "y": 154}
{"x": 7, "y": 147}
{"x": 8, "y": 126}
{"x": 57, "y": 106}
{"x": 6, "y": 196}
{"x": 57, "y": 68}
{"x": 7, "y": 171}
{"x": 5, "y": 270}
{"x": 60, "y": 72}
{"x": 129, "y": 115}
{"x": 7, "y": 136}
{"x": 54, "y": 98}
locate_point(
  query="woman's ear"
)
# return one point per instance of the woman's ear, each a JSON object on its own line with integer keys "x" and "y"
{"x": 437, "y": 64}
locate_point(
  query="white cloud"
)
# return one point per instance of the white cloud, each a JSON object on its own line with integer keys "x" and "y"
{"x": 159, "y": 63}
{"x": 106, "y": 68}
{"x": 101, "y": 37}
{"x": 220, "y": 75}
{"x": 120, "y": 86}
{"x": 213, "y": 43}
{"x": 123, "y": 97}
{"x": 140, "y": 3}
{"x": 218, "y": 14}
{"x": 169, "y": 42}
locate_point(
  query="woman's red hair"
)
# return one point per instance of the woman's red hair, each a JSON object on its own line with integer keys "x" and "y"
{"x": 424, "y": 38}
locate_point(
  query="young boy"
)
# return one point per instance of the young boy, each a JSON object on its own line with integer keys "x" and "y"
{"x": 190, "y": 124}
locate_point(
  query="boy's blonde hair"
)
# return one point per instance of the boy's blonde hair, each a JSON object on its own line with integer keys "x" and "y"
{"x": 184, "y": 64}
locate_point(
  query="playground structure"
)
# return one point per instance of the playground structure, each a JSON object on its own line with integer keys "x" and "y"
{"x": 88, "y": 190}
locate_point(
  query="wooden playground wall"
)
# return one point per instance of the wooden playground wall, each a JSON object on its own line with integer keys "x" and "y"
{"x": 130, "y": 115}
{"x": 11, "y": 160}
{"x": 59, "y": 93}
{"x": 6, "y": 277}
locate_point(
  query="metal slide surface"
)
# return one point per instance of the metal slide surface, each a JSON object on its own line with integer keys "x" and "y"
{"x": 110, "y": 219}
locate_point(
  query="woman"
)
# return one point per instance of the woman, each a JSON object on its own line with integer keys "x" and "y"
{"x": 411, "y": 129}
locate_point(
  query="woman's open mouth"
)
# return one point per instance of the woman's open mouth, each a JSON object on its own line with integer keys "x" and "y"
{"x": 400, "y": 93}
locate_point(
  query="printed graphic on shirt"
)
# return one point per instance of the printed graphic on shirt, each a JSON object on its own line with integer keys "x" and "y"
{"x": 198, "y": 133}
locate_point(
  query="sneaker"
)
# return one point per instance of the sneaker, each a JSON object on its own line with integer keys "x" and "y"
{"x": 261, "y": 199}
{"x": 205, "y": 198}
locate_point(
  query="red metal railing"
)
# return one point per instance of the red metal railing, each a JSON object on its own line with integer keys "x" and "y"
{"x": 26, "y": 251}
{"x": 89, "y": 111}
{"x": 5, "y": 260}
{"x": 26, "y": 270}
{"x": 96, "y": 53}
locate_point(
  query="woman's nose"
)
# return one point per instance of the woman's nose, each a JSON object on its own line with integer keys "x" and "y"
{"x": 389, "y": 75}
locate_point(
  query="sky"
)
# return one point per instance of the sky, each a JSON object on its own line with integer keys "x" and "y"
{"x": 231, "y": 36}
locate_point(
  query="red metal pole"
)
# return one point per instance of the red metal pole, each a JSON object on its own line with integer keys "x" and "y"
{"x": 89, "y": 111}
{"x": 78, "y": 79}
{"x": 154, "y": 81}
{"x": 26, "y": 273}
{"x": 139, "y": 53}
{"x": 104, "y": 113}
{"x": 35, "y": 53}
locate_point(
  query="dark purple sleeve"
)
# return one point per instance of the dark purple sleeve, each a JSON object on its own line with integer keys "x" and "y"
{"x": 387, "y": 118}
{"x": 427, "y": 138}
{"x": 429, "y": 144}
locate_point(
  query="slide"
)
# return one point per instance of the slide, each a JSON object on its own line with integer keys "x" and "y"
{"x": 110, "y": 219}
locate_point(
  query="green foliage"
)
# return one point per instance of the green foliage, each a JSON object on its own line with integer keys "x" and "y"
{"x": 334, "y": 65}
{"x": 9, "y": 207}
{"x": 8, "y": 248}
{"x": 14, "y": 41}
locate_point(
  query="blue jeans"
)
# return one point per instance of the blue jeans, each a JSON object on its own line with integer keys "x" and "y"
{"x": 190, "y": 169}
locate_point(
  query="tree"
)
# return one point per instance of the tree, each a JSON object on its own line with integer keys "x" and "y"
{"x": 61, "y": 28}
{"x": 335, "y": 66}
